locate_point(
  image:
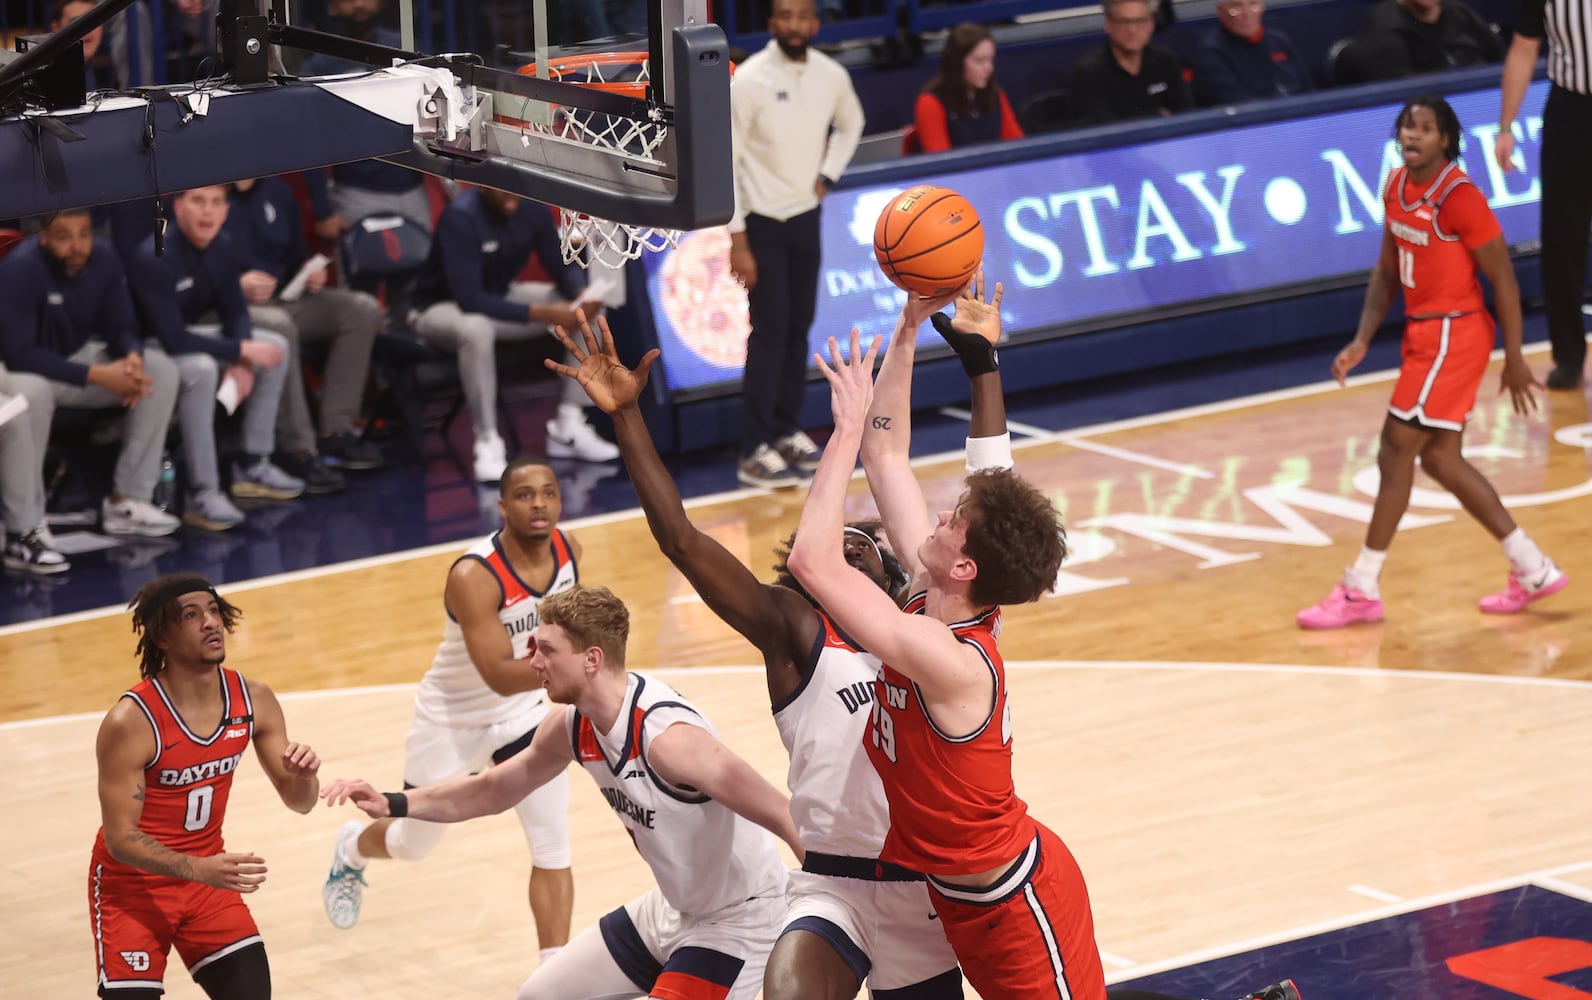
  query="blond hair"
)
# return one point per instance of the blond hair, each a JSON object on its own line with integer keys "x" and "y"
{"x": 590, "y": 616}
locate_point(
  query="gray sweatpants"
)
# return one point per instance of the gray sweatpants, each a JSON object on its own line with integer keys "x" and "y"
{"x": 143, "y": 428}
{"x": 473, "y": 336}
{"x": 196, "y": 408}
{"x": 350, "y": 320}
{"x": 21, "y": 471}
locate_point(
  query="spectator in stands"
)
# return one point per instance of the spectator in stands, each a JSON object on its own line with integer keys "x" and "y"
{"x": 264, "y": 221}
{"x": 1129, "y": 76}
{"x": 1242, "y": 60}
{"x": 962, "y": 105}
{"x": 467, "y": 299}
{"x": 1408, "y": 37}
{"x": 191, "y": 301}
{"x": 69, "y": 338}
{"x": 189, "y": 28}
{"x": 95, "y": 71}
{"x": 108, "y": 62}
{"x": 795, "y": 122}
{"x": 364, "y": 187}
{"x": 29, "y": 548}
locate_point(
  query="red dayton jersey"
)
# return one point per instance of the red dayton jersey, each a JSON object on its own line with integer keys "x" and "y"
{"x": 1436, "y": 226}
{"x": 953, "y": 809}
{"x": 187, "y": 783}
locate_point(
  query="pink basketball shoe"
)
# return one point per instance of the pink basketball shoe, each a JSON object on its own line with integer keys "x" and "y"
{"x": 1344, "y": 606}
{"x": 1521, "y": 591}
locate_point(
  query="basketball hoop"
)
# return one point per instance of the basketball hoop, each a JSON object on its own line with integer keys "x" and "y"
{"x": 586, "y": 239}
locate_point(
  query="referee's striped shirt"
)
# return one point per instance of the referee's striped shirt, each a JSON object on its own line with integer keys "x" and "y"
{"x": 1567, "y": 24}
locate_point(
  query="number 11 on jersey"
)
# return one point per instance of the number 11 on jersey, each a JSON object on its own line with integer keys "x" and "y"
{"x": 1406, "y": 268}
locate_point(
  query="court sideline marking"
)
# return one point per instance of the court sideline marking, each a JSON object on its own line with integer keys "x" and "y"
{"x": 612, "y": 517}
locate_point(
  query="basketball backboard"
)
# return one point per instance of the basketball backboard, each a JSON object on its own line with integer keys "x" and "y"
{"x": 444, "y": 88}
{"x": 649, "y": 144}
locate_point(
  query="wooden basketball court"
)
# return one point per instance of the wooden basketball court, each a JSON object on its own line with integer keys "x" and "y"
{"x": 1224, "y": 778}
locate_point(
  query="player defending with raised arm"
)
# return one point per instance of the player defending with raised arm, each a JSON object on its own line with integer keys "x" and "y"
{"x": 1439, "y": 233}
{"x": 159, "y": 874}
{"x": 482, "y": 701}
{"x": 850, "y": 917}
{"x": 691, "y": 806}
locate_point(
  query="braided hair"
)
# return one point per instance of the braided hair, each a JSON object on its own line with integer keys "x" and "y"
{"x": 156, "y": 609}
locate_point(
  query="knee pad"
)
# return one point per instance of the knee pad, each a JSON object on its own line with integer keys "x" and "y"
{"x": 243, "y": 975}
{"x": 412, "y": 840}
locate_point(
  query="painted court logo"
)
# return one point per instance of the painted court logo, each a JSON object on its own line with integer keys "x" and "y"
{"x": 1526, "y": 942}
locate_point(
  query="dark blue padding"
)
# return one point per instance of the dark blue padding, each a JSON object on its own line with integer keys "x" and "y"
{"x": 945, "y": 986}
{"x": 254, "y": 134}
{"x": 705, "y": 964}
{"x": 837, "y": 939}
{"x": 628, "y": 950}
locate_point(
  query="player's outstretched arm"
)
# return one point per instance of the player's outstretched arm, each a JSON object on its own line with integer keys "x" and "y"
{"x": 920, "y": 647}
{"x": 124, "y": 747}
{"x": 292, "y": 767}
{"x": 689, "y": 756}
{"x": 494, "y": 790}
{"x": 973, "y": 333}
{"x": 775, "y": 620}
{"x": 887, "y": 437}
{"x": 472, "y": 596}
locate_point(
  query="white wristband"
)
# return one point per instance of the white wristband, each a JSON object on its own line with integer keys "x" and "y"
{"x": 989, "y": 453}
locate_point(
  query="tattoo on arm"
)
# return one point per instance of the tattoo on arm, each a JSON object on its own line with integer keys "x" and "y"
{"x": 138, "y": 796}
{"x": 882, "y": 423}
{"x": 160, "y": 859}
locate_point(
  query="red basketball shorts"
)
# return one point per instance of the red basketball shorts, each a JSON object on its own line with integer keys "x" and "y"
{"x": 137, "y": 920}
{"x": 1444, "y": 361}
{"x": 1031, "y": 932}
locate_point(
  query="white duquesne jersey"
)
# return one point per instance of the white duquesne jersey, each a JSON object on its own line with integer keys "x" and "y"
{"x": 704, "y": 856}
{"x": 452, "y": 692}
{"x": 836, "y": 797}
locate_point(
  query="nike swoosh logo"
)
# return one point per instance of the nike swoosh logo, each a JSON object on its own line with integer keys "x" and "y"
{"x": 934, "y": 916}
{"x": 168, "y": 746}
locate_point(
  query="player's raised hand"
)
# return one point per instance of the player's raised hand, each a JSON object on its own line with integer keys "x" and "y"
{"x": 975, "y": 329}
{"x": 611, "y": 385}
{"x": 1517, "y": 380}
{"x": 300, "y": 761}
{"x": 371, "y": 802}
{"x": 850, "y": 380}
{"x": 231, "y": 872}
{"x": 918, "y": 308}
{"x": 1346, "y": 360}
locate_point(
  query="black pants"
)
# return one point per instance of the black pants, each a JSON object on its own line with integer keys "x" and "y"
{"x": 1566, "y": 218}
{"x": 782, "y": 306}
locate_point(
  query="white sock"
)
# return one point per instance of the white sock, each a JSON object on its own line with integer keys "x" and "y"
{"x": 547, "y": 953}
{"x": 351, "y": 853}
{"x": 1523, "y": 553}
{"x": 1367, "y": 570}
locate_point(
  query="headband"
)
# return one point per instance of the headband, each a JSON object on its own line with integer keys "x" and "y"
{"x": 174, "y": 589}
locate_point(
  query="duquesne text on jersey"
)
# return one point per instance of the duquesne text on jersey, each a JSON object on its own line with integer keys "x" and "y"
{"x": 624, "y": 806}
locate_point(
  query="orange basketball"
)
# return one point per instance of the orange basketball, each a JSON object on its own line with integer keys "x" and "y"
{"x": 929, "y": 241}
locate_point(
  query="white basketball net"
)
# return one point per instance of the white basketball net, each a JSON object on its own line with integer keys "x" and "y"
{"x": 586, "y": 239}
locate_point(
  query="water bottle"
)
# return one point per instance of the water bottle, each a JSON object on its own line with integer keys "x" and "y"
{"x": 166, "y": 488}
